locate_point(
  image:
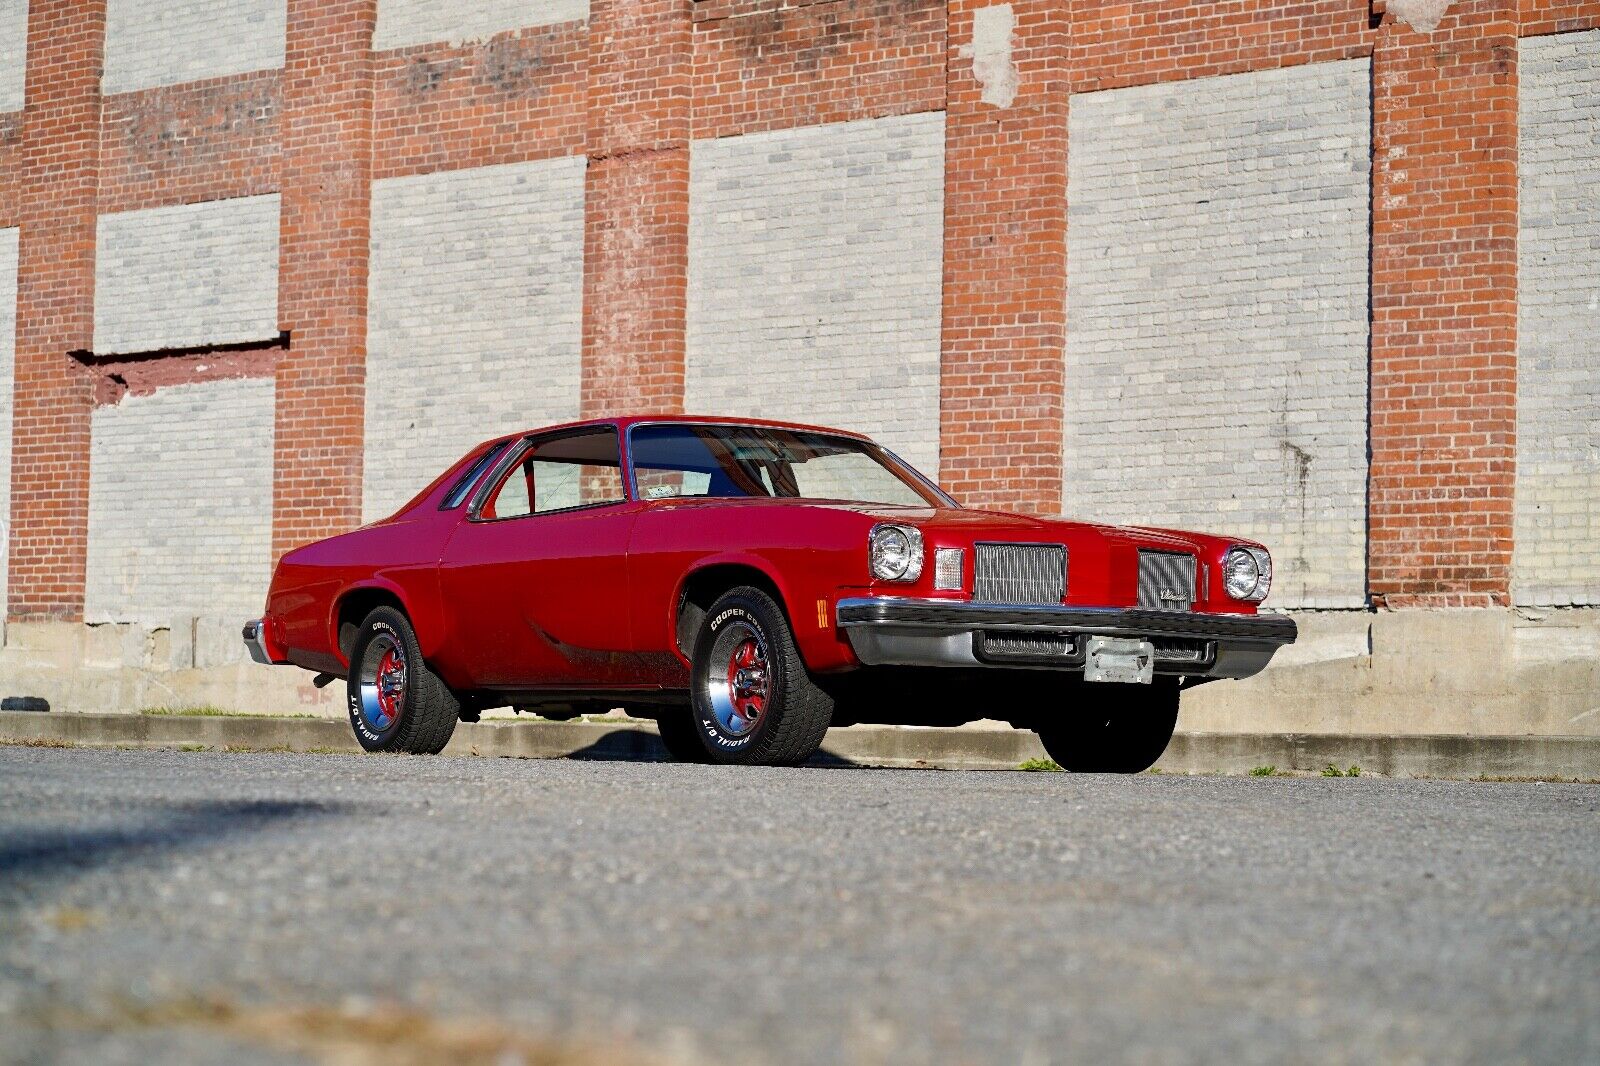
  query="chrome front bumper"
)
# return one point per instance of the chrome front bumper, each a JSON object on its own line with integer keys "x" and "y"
{"x": 896, "y": 631}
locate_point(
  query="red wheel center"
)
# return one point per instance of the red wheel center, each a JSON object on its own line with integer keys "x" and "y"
{"x": 747, "y": 679}
{"x": 391, "y": 683}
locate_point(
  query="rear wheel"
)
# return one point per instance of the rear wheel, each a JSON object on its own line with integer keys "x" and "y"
{"x": 1124, "y": 733}
{"x": 753, "y": 700}
{"x": 396, "y": 703}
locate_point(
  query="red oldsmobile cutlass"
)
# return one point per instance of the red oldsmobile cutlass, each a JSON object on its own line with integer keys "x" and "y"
{"x": 747, "y": 584}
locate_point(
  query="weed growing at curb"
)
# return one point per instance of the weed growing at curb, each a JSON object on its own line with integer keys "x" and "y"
{"x": 194, "y": 747}
{"x": 1333, "y": 771}
{"x": 1267, "y": 771}
{"x": 208, "y": 711}
{"x": 1038, "y": 765}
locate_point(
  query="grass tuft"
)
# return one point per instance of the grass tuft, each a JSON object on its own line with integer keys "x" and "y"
{"x": 206, "y": 710}
{"x": 1038, "y": 765}
{"x": 1267, "y": 771}
{"x": 1333, "y": 771}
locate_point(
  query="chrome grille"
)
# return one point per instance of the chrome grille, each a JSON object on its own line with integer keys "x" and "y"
{"x": 1166, "y": 581}
{"x": 1019, "y": 573}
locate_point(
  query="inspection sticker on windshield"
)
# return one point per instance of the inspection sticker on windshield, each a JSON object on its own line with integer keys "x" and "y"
{"x": 1122, "y": 660}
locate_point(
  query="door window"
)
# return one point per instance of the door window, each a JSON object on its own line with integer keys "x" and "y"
{"x": 562, "y": 473}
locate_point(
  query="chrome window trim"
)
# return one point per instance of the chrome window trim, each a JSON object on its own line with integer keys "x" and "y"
{"x": 515, "y": 455}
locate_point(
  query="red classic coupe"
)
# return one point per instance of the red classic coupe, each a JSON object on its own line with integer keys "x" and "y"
{"x": 747, "y": 584}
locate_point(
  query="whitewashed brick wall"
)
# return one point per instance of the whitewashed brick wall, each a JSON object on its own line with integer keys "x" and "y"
{"x": 1557, "y": 558}
{"x": 180, "y": 503}
{"x": 814, "y": 278}
{"x": 475, "y": 316}
{"x": 173, "y": 277}
{"x": 1216, "y": 364}
{"x": 165, "y": 42}
{"x": 13, "y": 52}
{"x": 8, "y": 352}
{"x": 407, "y": 22}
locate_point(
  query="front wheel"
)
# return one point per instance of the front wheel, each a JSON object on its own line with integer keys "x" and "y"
{"x": 396, "y": 703}
{"x": 1124, "y": 733}
{"x": 753, "y": 702}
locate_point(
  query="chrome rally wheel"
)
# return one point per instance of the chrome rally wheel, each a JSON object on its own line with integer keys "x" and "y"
{"x": 738, "y": 693}
{"x": 383, "y": 681}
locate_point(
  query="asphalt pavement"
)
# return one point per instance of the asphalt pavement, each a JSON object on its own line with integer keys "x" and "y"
{"x": 267, "y": 908}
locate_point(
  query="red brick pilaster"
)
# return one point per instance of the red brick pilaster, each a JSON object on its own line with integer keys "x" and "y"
{"x": 1005, "y": 263}
{"x": 57, "y": 171}
{"x": 326, "y": 168}
{"x": 636, "y": 213}
{"x": 1444, "y": 308}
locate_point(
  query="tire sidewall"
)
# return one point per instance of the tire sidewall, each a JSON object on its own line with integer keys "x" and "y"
{"x": 733, "y": 609}
{"x": 383, "y": 622}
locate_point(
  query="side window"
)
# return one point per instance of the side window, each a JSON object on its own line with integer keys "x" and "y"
{"x": 560, "y": 474}
{"x": 464, "y": 484}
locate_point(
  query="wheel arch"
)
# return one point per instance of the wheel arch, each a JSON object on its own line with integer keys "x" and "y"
{"x": 702, "y": 585}
{"x": 356, "y": 603}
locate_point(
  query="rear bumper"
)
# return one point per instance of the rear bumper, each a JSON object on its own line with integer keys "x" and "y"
{"x": 894, "y": 631}
{"x": 257, "y": 638}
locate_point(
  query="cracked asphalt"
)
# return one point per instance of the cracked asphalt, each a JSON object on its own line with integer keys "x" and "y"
{"x": 264, "y": 908}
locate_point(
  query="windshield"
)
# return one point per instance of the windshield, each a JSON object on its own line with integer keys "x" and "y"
{"x": 739, "y": 461}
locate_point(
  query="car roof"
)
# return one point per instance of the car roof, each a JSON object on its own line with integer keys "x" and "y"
{"x": 624, "y": 422}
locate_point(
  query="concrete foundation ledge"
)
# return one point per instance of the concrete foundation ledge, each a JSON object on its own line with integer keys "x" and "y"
{"x": 1464, "y": 757}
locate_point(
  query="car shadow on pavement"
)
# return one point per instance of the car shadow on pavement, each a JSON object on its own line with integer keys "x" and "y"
{"x": 636, "y": 745}
{"x": 141, "y": 832}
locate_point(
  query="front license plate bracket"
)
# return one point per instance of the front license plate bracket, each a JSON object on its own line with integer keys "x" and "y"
{"x": 1120, "y": 660}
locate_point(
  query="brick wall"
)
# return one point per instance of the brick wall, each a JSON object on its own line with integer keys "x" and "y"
{"x": 1557, "y": 559}
{"x": 187, "y": 275}
{"x": 13, "y": 52}
{"x": 180, "y": 504}
{"x": 814, "y": 278}
{"x": 749, "y": 213}
{"x": 8, "y": 321}
{"x": 164, "y": 42}
{"x": 408, "y": 22}
{"x": 1444, "y": 285}
{"x": 1216, "y": 357}
{"x": 476, "y": 316}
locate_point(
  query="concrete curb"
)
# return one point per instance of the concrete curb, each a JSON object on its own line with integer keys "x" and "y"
{"x": 963, "y": 749}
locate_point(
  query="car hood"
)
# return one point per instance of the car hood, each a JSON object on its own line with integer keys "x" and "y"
{"x": 973, "y": 524}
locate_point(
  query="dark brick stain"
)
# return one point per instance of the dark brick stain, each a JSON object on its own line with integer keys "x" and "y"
{"x": 512, "y": 65}
{"x": 199, "y": 124}
{"x": 423, "y": 76}
{"x": 808, "y": 39}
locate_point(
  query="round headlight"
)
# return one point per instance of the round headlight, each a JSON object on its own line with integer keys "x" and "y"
{"x": 1264, "y": 582}
{"x": 1240, "y": 573}
{"x": 895, "y": 553}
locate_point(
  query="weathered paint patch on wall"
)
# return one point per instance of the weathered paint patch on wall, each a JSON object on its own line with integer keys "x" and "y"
{"x": 187, "y": 275}
{"x": 13, "y": 52}
{"x": 165, "y": 42}
{"x": 1557, "y": 555}
{"x": 180, "y": 504}
{"x": 474, "y": 319}
{"x": 402, "y": 23}
{"x": 815, "y": 278}
{"x": 1216, "y": 362}
{"x": 1421, "y": 15}
{"x": 8, "y": 351}
{"x": 991, "y": 53}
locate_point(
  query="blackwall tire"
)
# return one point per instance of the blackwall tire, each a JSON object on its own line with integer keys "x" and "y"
{"x": 754, "y": 703}
{"x": 395, "y": 702}
{"x": 1124, "y": 732}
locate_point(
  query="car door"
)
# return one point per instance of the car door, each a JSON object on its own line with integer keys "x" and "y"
{"x": 534, "y": 577}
